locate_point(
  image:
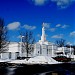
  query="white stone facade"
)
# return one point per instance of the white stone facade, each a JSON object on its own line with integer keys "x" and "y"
{"x": 12, "y": 51}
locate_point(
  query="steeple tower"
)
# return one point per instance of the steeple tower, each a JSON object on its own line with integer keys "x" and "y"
{"x": 43, "y": 37}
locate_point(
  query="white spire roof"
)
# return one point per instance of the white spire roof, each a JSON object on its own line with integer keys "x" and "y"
{"x": 43, "y": 37}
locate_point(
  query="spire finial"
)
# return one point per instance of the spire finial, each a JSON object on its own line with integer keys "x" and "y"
{"x": 43, "y": 24}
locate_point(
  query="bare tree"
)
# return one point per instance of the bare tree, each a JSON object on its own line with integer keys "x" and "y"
{"x": 28, "y": 42}
{"x": 60, "y": 42}
{"x": 3, "y": 36}
{"x": 72, "y": 46}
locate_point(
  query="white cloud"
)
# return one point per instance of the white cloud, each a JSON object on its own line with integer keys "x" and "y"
{"x": 57, "y": 36}
{"x": 52, "y": 29}
{"x": 46, "y": 25}
{"x": 38, "y": 35}
{"x": 58, "y": 25}
{"x": 40, "y": 2}
{"x": 28, "y": 27}
{"x": 13, "y": 25}
{"x": 46, "y": 35}
{"x": 64, "y": 26}
{"x": 59, "y": 3}
{"x": 63, "y": 3}
{"x": 19, "y": 36}
{"x": 69, "y": 43}
{"x": 72, "y": 33}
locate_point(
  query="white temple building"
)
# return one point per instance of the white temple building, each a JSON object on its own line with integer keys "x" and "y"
{"x": 41, "y": 48}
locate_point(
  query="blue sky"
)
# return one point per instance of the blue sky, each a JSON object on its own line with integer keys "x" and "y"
{"x": 22, "y": 15}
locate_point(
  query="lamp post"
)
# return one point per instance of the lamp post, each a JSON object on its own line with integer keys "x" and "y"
{"x": 21, "y": 46}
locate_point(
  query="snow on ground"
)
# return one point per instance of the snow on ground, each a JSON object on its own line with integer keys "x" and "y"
{"x": 42, "y": 60}
{"x": 36, "y": 60}
{"x": 18, "y": 61}
{"x": 7, "y": 60}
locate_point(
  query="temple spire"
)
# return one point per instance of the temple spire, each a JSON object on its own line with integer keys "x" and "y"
{"x": 43, "y": 37}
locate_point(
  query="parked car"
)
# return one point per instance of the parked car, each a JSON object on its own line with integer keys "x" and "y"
{"x": 62, "y": 58}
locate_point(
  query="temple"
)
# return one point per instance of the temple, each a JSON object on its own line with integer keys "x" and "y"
{"x": 43, "y": 47}
{"x": 40, "y": 48}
